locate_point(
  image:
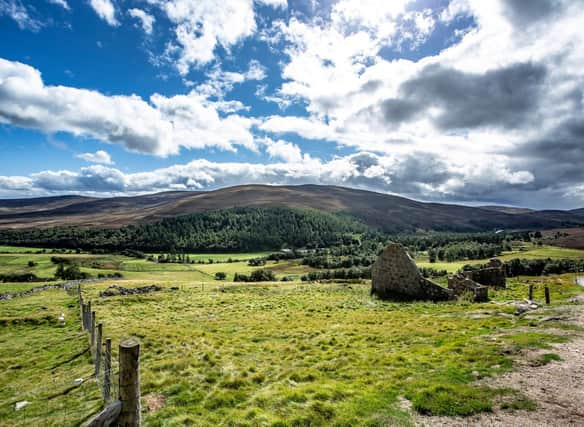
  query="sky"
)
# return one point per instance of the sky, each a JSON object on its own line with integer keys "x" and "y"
{"x": 457, "y": 101}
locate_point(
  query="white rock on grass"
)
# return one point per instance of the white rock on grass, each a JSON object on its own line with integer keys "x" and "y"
{"x": 20, "y": 405}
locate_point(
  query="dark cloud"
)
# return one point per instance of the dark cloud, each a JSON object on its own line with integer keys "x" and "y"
{"x": 499, "y": 98}
{"x": 556, "y": 158}
{"x": 399, "y": 110}
{"x": 371, "y": 86}
{"x": 564, "y": 143}
{"x": 526, "y": 12}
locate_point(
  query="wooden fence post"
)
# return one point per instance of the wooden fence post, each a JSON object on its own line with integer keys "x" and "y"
{"x": 547, "y": 295}
{"x": 88, "y": 315}
{"x": 530, "y": 292}
{"x": 83, "y": 316}
{"x": 86, "y": 319}
{"x": 92, "y": 331}
{"x": 98, "y": 350}
{"x": 80, "y": 303}
{"x": 107, "y": 363}
{"x": 129, "y": 383}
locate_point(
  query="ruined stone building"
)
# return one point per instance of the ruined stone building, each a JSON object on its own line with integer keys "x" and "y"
{"x": 394, "y": 276}
{"x": 493, "y": 274}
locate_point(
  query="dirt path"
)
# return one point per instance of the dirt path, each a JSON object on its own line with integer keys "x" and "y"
{"x": 557, "y": 388}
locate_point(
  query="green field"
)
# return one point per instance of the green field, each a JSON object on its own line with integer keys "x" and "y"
{"x": 266, "y": 354}
{"x": 526, "y": 252}
{"x": 134, "y": 268}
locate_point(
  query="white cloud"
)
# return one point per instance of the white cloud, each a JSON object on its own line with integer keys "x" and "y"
{"x": 201, "y": 26}
{"x": 283, "y": 4}
{"x": 161, "y": 126}
{"x": 99, "y": 156}
{"x": 106, "y": 10}
{"x": 18, "y": 12}
{"x": 220, "y": 82}
{"x": 286, "y": 151}
{"x": 62, "y": 3}
{"x": 414, "y": 174}
{"x": 146, "y": 20}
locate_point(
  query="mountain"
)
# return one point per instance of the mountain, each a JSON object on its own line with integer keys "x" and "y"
{"x": 387, "y": 212}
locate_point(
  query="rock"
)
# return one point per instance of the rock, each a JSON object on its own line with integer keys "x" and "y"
{"x": 117, "y": 290}
{"x": 20, "y": 405}
{"x": 394, "y": 276}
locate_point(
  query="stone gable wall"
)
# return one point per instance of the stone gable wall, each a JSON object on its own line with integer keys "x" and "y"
{"x": 394, "y": 276}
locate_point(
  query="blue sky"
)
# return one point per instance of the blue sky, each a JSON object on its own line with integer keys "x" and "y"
{"x": 439, "y": 100}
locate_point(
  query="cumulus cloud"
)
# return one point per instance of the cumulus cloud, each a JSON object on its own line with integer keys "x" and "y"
{"x": 146, "y": 20}
{"x": 509, "y": 89}
{"x": 160, "y": 126}
{"x": 100, "y": 156}
{"x": 106, "y": 10}
{"x": 220, "y": 82}
{"x": 503, "y": 97}
{"x": 283, "y": 150}
{"x": 415, "y": 174}
{"x": 202, "y": 26}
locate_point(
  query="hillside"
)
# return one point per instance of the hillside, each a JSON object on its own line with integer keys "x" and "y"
{"x": 387, "y": 212}
{"x": 506, "y": 209}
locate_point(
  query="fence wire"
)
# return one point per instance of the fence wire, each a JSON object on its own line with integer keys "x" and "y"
{"x": 44, "y": 405}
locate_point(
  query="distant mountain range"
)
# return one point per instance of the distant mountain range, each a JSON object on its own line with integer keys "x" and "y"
{"x": 387, "y": 212}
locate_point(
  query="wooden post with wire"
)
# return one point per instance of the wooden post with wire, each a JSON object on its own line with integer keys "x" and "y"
{"x": 107, "y": 364}
{"x": 98, "y": 350}
{"x": 547, "y": 295}
{"x": 530, "y": 292}
{"x": 92, "y": 332}
{"x": 88, "y": 315}
{"x": 85, "y": 327}
{"x": 129, "y": 383}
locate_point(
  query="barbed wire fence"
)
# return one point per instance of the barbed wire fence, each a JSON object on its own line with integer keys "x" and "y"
{"x": 118, "y": 381}
{"x": 113, "y": 387}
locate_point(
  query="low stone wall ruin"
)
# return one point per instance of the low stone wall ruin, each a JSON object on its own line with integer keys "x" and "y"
{"x": 492, "y": 275}
{"x": 461, "y": 284}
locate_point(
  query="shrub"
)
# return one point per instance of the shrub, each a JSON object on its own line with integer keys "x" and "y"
{"x": 71, "y": 272}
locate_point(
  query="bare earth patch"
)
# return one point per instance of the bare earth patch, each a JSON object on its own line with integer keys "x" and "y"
{"x": 556, "y": 386}
{"x": 154, "y": 401}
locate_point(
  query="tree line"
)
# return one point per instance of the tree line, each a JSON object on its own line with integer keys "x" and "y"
{"x": 238, "y": 230}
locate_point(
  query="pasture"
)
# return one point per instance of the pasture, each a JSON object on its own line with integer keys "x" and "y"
{"x": 267, "y": 354}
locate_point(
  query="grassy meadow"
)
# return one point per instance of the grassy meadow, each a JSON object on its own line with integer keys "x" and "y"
{"x": 525, "y": 251}
{"x": 268, "y": 354}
